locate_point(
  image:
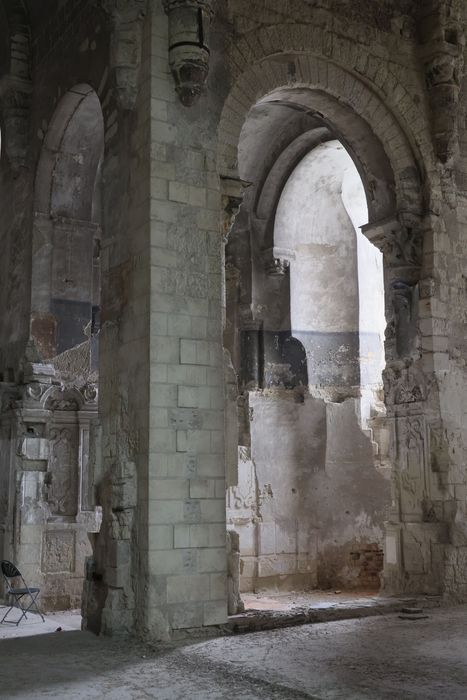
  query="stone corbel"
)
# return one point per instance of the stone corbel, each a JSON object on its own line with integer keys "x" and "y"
{"x": 126, "y": 17}
{"x": 189, "y": 24}
{"x": 401, "y": 245}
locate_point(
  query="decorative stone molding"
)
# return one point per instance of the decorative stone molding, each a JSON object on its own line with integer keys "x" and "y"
{"x": 43, "y": 390}
{"x": 189, "y": 23}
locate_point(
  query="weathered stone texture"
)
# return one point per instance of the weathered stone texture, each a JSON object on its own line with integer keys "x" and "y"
{"x": 117, "y": 200}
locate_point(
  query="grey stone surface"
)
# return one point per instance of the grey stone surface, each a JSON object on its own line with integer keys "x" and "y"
{"x": 383, "y": 658}
{"x": 123, "y": 210}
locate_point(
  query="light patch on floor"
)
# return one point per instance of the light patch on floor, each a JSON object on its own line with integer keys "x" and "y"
{"x": 69, "y": 621}
{"x": 310, "y": 599}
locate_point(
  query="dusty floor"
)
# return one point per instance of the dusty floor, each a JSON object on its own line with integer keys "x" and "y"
{"x": 372, "y": 658}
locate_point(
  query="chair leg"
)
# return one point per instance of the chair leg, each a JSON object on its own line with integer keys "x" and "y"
{"x": 6, "y": 615}
{"x": 34, "y": 602}
{"x": 24, "y": 610}
{"x": 23, "y": 614}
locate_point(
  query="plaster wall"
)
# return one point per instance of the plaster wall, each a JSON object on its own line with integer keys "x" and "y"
{"x": 336, "y": 275}
{"x": 310, "y": 504}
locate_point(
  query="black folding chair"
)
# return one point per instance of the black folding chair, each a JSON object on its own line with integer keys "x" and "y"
{"x": 10, "y": 573}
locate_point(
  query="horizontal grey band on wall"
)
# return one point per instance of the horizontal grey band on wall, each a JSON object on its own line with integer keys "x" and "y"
{"x": 272, "y": 358}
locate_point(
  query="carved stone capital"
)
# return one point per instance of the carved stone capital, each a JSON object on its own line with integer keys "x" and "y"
{"x": 401, "y": 244}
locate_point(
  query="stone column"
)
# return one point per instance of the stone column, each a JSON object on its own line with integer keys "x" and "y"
{"x": 417, "y": 528}
{"x": 161, "y": 565}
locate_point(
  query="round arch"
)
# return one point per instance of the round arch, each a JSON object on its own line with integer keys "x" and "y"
{"x": 392, "y": 173}
{"x": 66, "y": 232}
{"x": 70, "y": 156}
{"x": 395, "y": 166}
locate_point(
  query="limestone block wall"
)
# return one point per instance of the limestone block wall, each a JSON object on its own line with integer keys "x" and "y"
{"x": 389, "y": 80}
{"x": 161, "y": 561}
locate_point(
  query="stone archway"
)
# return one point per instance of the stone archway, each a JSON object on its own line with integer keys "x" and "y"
{"x": 394, "y": 176}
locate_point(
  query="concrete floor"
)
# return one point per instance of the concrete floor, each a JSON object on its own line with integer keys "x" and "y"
{"x": 377, "y": 658}
{"x": 66, "y": 622}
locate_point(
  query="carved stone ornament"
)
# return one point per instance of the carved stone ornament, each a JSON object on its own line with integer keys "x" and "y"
{"x": 276, "y": 267}
{"x": 189, "y": 23}
{"x": 35, "y": 391}
{"x": 400, "y": 244}
{"x": 63, "y": 399}
{"x": 90, "y": 393}
{"x": 404, "y": 383}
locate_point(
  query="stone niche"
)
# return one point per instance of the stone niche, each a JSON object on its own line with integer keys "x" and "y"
{"x": 48, "y": 432}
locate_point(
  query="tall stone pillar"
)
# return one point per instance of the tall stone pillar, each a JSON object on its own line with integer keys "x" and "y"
{"x": 160, "y": 565}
